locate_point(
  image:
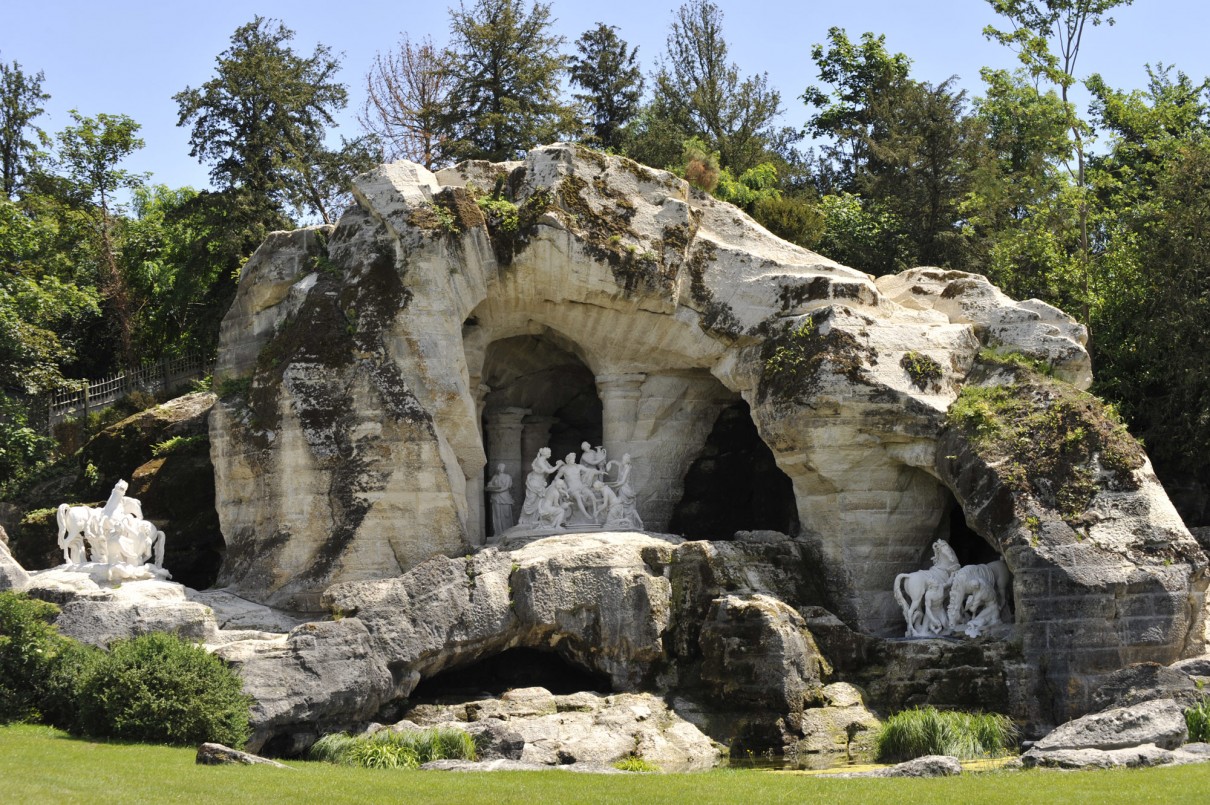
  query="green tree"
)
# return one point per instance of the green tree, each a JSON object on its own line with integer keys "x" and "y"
{"x": 1047, "y": 36}
{"x": 907, "y": 151}
{"x": 21, "y": 99}
{"x": 607, "y": 69}
{"x": 261, "y": 122}
{"x": 701, "y": 94}
{"x": 90, "y": 153}
{"x": 505, "y": 69}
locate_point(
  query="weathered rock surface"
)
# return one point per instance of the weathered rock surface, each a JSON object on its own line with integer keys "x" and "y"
{"x": 502, "y": 764}
{"x": 368, "y": 358}
{"x": 12, "y": 575}
{"x": 927, "y": 766}
{"x": 1145, "y": 682}
{"x": 583, "y": 728}
{"x": 96, "y": 611}
{"x": 212, "y": 754}
{"x": 1160, "y": 722}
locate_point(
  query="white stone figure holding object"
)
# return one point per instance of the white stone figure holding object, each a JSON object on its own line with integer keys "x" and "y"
{"x": 553, "y": 505}
{"x": 535, "y": 486}
{"x": 578, "y": 478}
{"x": 935, "y": 620}
{"x": 500, "y": 487}
{"x": 910, "y": 591}
{"x": 593, "y": 456}
{"x": 626, "y": 495}
{"x": 971, "y": 578}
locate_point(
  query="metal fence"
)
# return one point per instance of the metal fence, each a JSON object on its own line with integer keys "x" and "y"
{"x": 153, "y": 378}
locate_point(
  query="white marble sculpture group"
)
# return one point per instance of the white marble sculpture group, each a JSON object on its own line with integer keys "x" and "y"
{"x": 114, "y": 536}
{"x": 977, "y": 596}
{"x": 579, "y": 495}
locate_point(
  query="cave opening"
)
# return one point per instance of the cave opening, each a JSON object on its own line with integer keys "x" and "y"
{"x": 735, "y": 484}
{"x": 539, "y": 394}
{"x": 969, "y": 545}
{"x": 511, "y": 669}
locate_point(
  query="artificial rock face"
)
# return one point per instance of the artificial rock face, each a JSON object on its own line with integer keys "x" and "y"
{"x": 457, "y": 321}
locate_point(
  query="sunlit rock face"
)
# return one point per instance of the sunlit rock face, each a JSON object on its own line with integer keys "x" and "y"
{"x": 373, "y": 371}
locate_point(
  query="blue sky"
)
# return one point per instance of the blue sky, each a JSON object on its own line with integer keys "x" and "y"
{"x": 122, "y": 56}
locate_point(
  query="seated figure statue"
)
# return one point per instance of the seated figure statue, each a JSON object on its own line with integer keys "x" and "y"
{"x": 535, "y": 486}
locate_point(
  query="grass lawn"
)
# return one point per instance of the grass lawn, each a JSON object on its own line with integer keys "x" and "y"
{"x": 42, "y": 765}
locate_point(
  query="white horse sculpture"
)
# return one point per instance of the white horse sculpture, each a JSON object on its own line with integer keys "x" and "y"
{"x": 980, "y": 580}
{"x": 73, "y": 528}
{"x": 911, "y": 589}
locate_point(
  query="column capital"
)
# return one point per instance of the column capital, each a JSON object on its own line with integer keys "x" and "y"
{"x": 620, "y": 383}
{"x": 506, "y": 416}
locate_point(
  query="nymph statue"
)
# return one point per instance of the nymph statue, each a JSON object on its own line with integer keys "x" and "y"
{"x": 535, "y": 486}
{"x": 500, "y": 488}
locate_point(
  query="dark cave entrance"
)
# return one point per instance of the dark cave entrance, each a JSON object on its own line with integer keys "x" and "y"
{"x": 515, "y": 668}
{"x": 735, "y": 484}
{"x": 969, "y": 546}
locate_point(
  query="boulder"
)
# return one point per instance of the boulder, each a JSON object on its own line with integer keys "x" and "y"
{"x": 212, "y": 754}
{"x": 1146, "y": 681}
{"x": 12, "y": 575}
{"x": 586, "y": 729}
{"x": 1129, "y": 757}
{"x": 927, "y": 766}
{"x": 1158, "y": 722}
{"x": 96, "y": 611}
{"x": 841, "y": 727}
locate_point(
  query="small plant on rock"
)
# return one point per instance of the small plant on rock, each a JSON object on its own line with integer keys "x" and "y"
{"x": 635, "y": 763}
{"x": 1197, "y": 719}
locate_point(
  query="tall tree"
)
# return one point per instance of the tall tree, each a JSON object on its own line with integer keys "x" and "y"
{"x": 699, "y": 91}
{"x": 90, "y": 153}
{"x": 261, "y": 121}
{"x": 1047, "y": 36}
{"x": 505, "y": 71}
{"x": 899, "y": 158}
{"x": 407, "y": 91}
{"x": 21, "y": 99}
{"x": 607, "y": 69}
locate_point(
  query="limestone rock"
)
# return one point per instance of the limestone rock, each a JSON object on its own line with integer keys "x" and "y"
{"x": 234, "y": 613}
{"x": 1144, "y": 682}
{"x": 96, "y": 611}
{"x": 1158, "y": 722}
{"x": 212, "y": 754}
{"x": 504, "y": 764}
{"x": 592, "y": 729}
{"x": 12, "y": 575}
{"x": 1128, "y": 757}
{"x": 927, "y": 766}
{"x": 317, "y": 679}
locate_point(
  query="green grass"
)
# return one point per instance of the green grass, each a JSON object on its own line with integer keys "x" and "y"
{"x": 929, "y": 731}
{"x": 39, "y": 764}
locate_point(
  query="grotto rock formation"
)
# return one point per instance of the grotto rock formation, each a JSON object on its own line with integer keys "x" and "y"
{"x": 371, "y": 371}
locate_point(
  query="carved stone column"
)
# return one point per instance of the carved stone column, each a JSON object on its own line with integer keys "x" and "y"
{"x": 502, "y": 437}
{"x": 476, "y": 512}
{"x": 619, "y": 409}
{"x": 535, "y": 435}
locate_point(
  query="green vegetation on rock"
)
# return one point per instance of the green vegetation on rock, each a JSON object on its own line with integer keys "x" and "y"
{"x": 1046, "y": 438}
{"x": 387, "y": 749}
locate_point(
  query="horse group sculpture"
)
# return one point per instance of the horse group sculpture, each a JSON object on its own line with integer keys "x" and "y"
{"x": 977, "y": 596}
{"x": 115, "y": 535}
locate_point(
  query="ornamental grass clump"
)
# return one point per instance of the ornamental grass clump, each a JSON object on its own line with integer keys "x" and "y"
{"x": 929, "y": 731}
{"x": 387, "y": 749}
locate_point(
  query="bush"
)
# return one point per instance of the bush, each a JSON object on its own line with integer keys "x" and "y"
{"x": 387, "y": 749}
{"x": 29, "y": 645}
{"x": 635, "y": 763}
{"x": 160, "y": 688}
{"x": 928, "y": 731}
{"x": 1197, "y": 718}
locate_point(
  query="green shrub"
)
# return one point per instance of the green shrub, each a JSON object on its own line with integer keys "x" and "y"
{"x": 1197, "y": 718}
{"x": 387, "y": 749}
{"x": 635, "y": 763}
{"x": 160, "y": 688}
{"x": 928, "y": 731}
{"x": 177, "y": 444}
{"x": 28, "y": 647}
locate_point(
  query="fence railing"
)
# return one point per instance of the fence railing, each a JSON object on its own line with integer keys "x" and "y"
{"x": 152, "y": 378}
